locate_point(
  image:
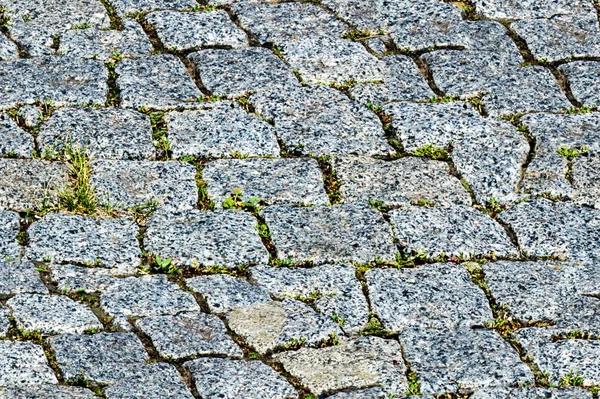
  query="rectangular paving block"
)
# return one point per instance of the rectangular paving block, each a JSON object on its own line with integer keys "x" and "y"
{"x": 151, "y": 381}
{"x": 24, "y": 363}
{"x": 14, "y": 141}
{"x": 19, "y": 278}
{"x": 124, "y": 7}
{"x": 344, "y": 233}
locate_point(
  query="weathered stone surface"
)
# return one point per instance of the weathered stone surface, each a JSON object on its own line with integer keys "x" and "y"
{"x": 553, "y": 292}
{"x": 532, "y": 393}
{"x": 223, "y": 293}
{"x": 463, "y": 359}
{"x": 194, "y": 30}
{"x": 583, "y": 77}
{"x": 9, "y": 229}
{"x": 103, "y": 358}
{"x": 4, "y": 321}
{"x": 8, "y": 50}
{"x": 152, "y": 381}
{"x": 52, "y": 314}
{"x": 14, "y": 141}
{"x": 158, "y": 82}
{"x": 275, "y": 325}
{"x": 274, "y": 181}
{"x": 361, "y": 363}
{"x": 237, "y": 72}
{"x": 60, "y": 79}
{"x": 586, "y": 179}
{"x": 20, "y": 278}
{"x": 136, "y": 297}
{"x": 26, "y": 184}
{"x": 88, "y": 279}
{"x": 561, "y": 37}
{"x": 400, "y": 81}
{"x": 575, "y": 357}
{"x": 24, "y": 363}
{"x": 125, "y": 7}
{"x": 398, "y": 182}
{"x": 125, "y": 184}
{"x": 545, "y": 228}
{"x": 189, "y": 334}
{"x": 322, "y": 121}
{"x": 101, "y": 44}
{"x": 233, "y": 379}
{"x": 44, "y": 392}
{"x": 344, "y": 233}
{"x": 547, "y": 171}
{"x": 195, "y": 238}
{"x": 439, "y": 296}
{"x": 335, "y": 290}
{"x": 453, "y": 231}
{"x": 529, "y": 9}
{"x": 63, "y": 237}
{"x": 279, "y": 23}
{"x": 108, "y": 133}
{"x": 326, "y": 59}
{"x": 221, "y": 130}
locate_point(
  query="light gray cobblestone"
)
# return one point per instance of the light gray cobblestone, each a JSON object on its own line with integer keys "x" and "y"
{"x": 20, "y": 278}
{"x": 24, "y": 363}
{"x": 14, "y": 141}
{"x": 44, "y": 392}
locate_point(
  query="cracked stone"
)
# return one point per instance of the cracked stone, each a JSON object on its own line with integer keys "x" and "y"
{"x": 24, "y": 363}
{"x": 586, "y": 180}
{"x": 103, "y": 358}
{"x": 44, "y": 392}
{"x": 530, "y": 9}
{"x": 398, "y": 182}
{"x": 224, "y": 293}
{"x": 52, "y": 314}
{"x": 9, "y": 230}
{"x": 20, "y": 278}
{"x": 125, "y": 7}
{"x": 101, "y": 44}
{"x": 27, "y": 184}
{"x": 125, "y": 184}
{"x": 360, "y": 363}
{"x": 273, "y": 325}
{"x": 158, "y": 82}
{"x": 236, "y": 72}
{"x": 344, "y": 233}
{"x": 64, "y": 237}
{"x": 335, "y": 289}
{"x": 232, "y": 379}
{"x": 189, "y": 334}
{"x": 136, "y": 297}
{"x": 196, "y": 238}
{"x": 583, "y": 77}
{"x": 194, "y": 30}
{"x": 548, "y": 229}
{"x": 319, "y": 120}
{"x": 14, "y": 141}
{"x": 532, "y": 393}
{"x": 456, "y": 360}
{"x": 220, "y": 131}
{"x": 274, "y": 181}
{"x": 438, "y": 296}
{"x": 457, "y": 231}
{"x": 108, "y": 133}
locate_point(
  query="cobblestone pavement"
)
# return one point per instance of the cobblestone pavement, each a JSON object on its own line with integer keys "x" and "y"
{"x": 310, "y": 199}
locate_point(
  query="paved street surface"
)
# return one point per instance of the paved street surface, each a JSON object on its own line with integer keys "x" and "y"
{"x": 263, "y": 199}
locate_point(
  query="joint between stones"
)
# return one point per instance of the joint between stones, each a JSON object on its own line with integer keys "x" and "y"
{"x": 330, "y": 180}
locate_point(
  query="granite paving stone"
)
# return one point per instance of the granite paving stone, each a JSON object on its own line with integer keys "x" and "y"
{"x": 158, "y": 82}
{"x": 360, "y": 363}
{"x": 20, "y": 278}
{"x": 398, "y": 182}
{"x": 63, "y": 80}
{"x": 107, "y": 133}
{"x": 27, "y": 184}
{"x": 237, "y": 72}
{"x": 463, "y": 359}
{"x": 532, "y": 393}
{"x": 136, "y": 297}
{"x": 125, "y": 184}
{"x": 52, "y": 314}
{"x": 4, "y": 321}
{"x": 69, "y": 278}
{"x": 529, "y": 9}
{"x": 457, "y": 231}
{"x": 216, "y": 378}
{"x": 322, "y": 121}
{"x": 344, "y": 233}
{"x": 14, "y": 141}
{"x": 9, "y": 230}
{"x": 268, "y": 326}
{"x": 63, "y": 237}
{"x": 189, "y": 334}
{"x": 488, "y": 36}
{"x": 45, "y": 391}
{"x": 196, "y": 238}
{"x": 586, "y": 180}
{"x": 224, "y": 293}
{"x": 583, "y": 77}
{"x": 103, "y": 358}
{"x": 335, "y": 290}
{"x": 369, "y": 393}
{"x": 222, "y": 130}
{"x": 125, "y": 7}
{"x": 274, "y": 181}
{"x": 439, "y": 296}
{"x": 194, "y": 30}
{"x": 30, "y": 115}
{"x": 24, "y": 363}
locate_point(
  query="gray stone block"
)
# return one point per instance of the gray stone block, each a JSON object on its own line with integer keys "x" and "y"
{"x": 20, "y": 278}
{"x": 31, "y": 115}
{"x": 88, "y": 279}
{"x": 14, "y": 141}
{"x": 45, "y": 392}
{"x": 24, "y": 363}
{"x": 529, "y": 9}
{"x": 532, "y": 393}
{"x": 9, "y": 229}
{"x": 586, "y": 180}
{"x": 583, "y": 77}
{"x": 124, "y": 7}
